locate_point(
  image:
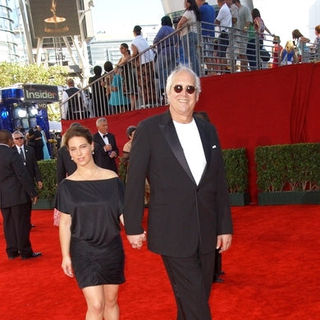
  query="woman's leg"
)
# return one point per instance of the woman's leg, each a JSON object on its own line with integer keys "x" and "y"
{"x": 193, "y": 52}
{"x": 95, "y": 302}
{"x": 111, "y": 310}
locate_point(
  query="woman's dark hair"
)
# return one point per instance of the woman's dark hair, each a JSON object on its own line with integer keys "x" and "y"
{"x": 125, "y": 46}
{"x": 194, "y": 8}
{"x": 166, "y": 21}
{"x": 130, "y": 130}
{"x": 108, "y": 66}
{"x": 296, "y": 34}
{"x": 137, "y": 30}
{"x": 255, "y": 13}
{"x": 77, "y": 131}
{"x": 97, "y": 71}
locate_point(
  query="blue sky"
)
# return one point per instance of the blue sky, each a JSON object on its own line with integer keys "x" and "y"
{"x": 118, "y": 17}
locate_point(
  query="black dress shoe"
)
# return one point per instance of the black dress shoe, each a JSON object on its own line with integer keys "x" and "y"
{"x": 33, "y": 255}
{"x": 13, "y": 256}
{"x": 218, "y": 280}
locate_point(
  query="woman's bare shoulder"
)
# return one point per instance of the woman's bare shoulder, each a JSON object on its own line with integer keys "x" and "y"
{"x": 107, "y": 174}
{"x": 72, "y": 176}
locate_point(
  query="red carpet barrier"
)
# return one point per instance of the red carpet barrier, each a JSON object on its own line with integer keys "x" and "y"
{"x": 275, "y": 106}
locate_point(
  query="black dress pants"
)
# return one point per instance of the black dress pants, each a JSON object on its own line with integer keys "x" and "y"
{"x": 191, "y": 280}
{"x": 16, "y": 226}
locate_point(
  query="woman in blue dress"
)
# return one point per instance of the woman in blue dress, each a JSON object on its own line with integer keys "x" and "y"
{"x": 117, "y": 98}
{"x": 166, "y": 56}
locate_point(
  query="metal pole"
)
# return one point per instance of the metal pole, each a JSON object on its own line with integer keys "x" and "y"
{"x": 26, "y": 31}
{"x": 39, "y": 47}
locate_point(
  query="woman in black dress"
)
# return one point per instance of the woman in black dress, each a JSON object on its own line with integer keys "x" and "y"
{"x": 90, "y": 201}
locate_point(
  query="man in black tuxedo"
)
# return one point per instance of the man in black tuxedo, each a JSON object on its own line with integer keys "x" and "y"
{"x": 189, "y": 213}
{"x": 29, "y": 160}
{"x": 16, "y": 189}
{"x": 105, "y": 150}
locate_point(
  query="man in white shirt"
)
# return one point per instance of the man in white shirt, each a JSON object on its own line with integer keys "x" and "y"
{"x": 244, "y": 21}
{"x": 224, "y": 20}
{"x": 145, "y": 67}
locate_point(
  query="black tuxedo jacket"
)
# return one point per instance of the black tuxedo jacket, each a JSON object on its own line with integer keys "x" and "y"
{"x": 183, "y": 216}
{"x": 32, "y": 164}
{"x": 65, "y": 166}
{"x": 102, "y": 158}
{"x": 16, "y": 186}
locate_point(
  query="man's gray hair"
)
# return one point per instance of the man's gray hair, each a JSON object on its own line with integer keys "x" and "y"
{"x": 182, "y": 68}
{"x": 17, "y": 132}
{"x": 100, "y": 120}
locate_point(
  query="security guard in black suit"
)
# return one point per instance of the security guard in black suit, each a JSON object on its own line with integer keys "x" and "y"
{"x": 16, "y": 189}
{"x": 28, "y": 157}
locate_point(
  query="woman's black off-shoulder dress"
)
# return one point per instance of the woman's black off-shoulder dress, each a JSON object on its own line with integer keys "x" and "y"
{"x": 96, "y": 247}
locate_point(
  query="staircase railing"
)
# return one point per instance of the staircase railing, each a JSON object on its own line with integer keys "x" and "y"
{"x": 140, "y": 82}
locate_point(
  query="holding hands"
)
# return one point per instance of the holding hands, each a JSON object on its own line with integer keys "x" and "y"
{"x": 136, "y": 240}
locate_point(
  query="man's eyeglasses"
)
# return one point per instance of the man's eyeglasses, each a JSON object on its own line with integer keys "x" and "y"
{"x": 178, "y": 88}
{"x": 18, "y": 138}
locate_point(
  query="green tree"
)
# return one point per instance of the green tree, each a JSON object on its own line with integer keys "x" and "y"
{"x": 11, "y": 74}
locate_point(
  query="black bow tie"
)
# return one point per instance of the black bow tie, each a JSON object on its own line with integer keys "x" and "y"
{"x": 105, "y": 135}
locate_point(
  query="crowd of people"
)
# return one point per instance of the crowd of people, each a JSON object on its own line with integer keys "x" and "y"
{"x": 210, "y": 43}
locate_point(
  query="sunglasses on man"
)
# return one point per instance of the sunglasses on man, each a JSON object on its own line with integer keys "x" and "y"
{"x": 178, "y": 88}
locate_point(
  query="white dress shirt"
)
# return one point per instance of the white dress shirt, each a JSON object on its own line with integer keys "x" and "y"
{"x": 191, "y": 143}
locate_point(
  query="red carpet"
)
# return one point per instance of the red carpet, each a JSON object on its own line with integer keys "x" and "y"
{"x": 272, "y": 272}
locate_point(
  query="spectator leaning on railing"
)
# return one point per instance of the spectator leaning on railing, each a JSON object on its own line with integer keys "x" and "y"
{"x": 189, "y": 35}
{"x": 166, "y": 57}
{"x": 288, "y": 54}
{"x": 224, "y": 20}
{"x": 317, "y": 39}
{"x": 276, "y": 51}
{"x": 128, "y": 74}
{"x": 207, "y": 17}
{"x": 301, "y": 44}
{"x": 245, "y": 19}
{"x": 315, "y": 48}
{"x": 145, "y": 70}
